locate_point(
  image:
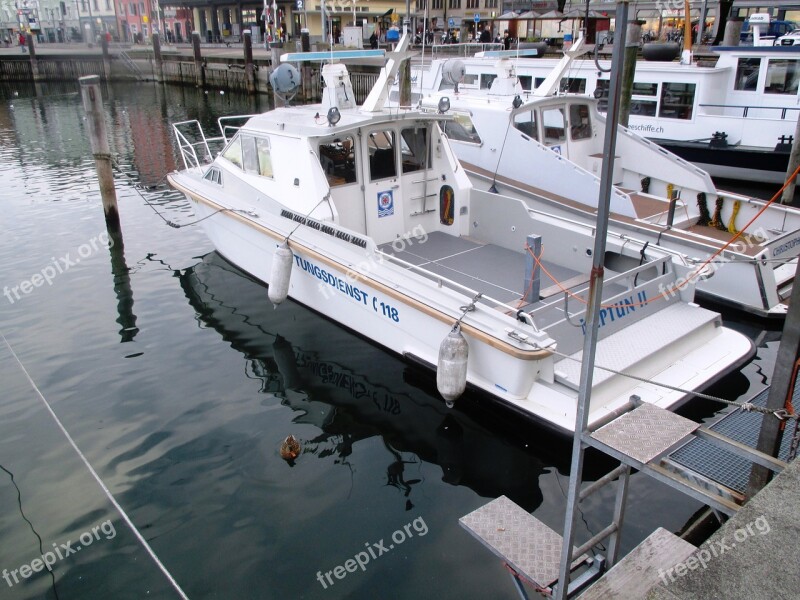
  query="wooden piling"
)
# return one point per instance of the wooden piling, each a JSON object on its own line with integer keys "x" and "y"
{"x": 159, "y": 71}
{"x": 733, "y": 31}
{"x": 93, "y": 105}
{"x": 106, "y": 59}
{"x": 248, "y": 61}
{"x": 33, "y": 59}
{"x": 200, "y": 73}
{"x": 634, "y": 34}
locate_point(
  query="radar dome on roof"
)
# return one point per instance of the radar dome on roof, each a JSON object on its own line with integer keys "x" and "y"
{"x": 453, "y": 71}
{"x": 285, "y": 80}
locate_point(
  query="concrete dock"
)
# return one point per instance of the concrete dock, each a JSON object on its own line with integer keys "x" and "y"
{"x": 752, "y": 556}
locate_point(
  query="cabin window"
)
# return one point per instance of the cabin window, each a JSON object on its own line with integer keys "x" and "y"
{"x": 461, "y": 129}
{"x": 525, "y": 81}
{"x": 338, "y": 160}
{"x": 677, "y": 100}
{"x": 526, "y": 123}
{"x": 382, "y": 163}
{"x": 256, "y": 155}
{"x": 555, "y": 128}
{"x": 747, "y": 74}
{"x": 414, "y": 149}
{"x": 782, "y": 77}
{"x": 213, "y": 175}
{"x": 570, "y": 85}
{"x": 394, "y": 96}
{"x": 644, "y": 89}
{"x": 580, "y": 125}
{"x": 487, "y": 79}
{"x": 233, "y": 152}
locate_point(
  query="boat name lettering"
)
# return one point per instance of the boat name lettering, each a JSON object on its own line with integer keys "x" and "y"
{"x": 356, "y": 293}
{"x": 648, "y": 128}
{"x": 778, "y": 250}
{"x": 620, "y": 310}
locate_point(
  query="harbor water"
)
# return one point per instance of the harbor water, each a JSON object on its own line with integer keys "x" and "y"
{"x": 178, "y": 382}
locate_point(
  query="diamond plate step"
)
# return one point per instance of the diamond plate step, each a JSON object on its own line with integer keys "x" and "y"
{"x": 529, "y": 546}
{"x": 645, "y": 432}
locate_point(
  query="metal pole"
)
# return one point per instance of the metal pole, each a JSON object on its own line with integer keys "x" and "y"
{"x": 93, "y": 105}
{"x": 794, "y": 162}
{"x": 595, "y": 296}
{"x": 769, "y": 439}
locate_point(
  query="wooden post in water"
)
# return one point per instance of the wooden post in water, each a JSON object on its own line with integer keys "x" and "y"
{"x": 794, "y": 162}
{"x": 106, "y": 59}
{"x": 159, "y": 74}
{"x": 93, "y": 105}
{"x": 276, "y": 50}
{"x": 629, "y": 69}
{"x": 34, "y": 60}
{"x": 248, "y": 62}
{"x": 200, "y": 72}
{"x": 733, "y": 32}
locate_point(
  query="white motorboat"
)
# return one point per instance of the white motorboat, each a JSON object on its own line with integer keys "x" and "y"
{"x": 547, "y": 149}
{"x": 734, "y": 118}
{"x": 365, "y": 215}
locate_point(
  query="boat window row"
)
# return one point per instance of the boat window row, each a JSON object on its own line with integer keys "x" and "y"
{"x": 782, "y": 76}
{"x": 555, "y": 122}
{"x": 338, "y": 155}
{"x": 250, "y": 153}
{"x": 676, "y": 100}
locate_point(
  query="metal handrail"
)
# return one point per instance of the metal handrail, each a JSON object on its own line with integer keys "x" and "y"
{"x": 745, "y": 108}
{"x": 187, "y": 148}
{"x": 225, "y": 128}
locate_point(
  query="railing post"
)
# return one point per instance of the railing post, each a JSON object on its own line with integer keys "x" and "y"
{"x": 93, "y": 105}
{"x": 106, "y": 59}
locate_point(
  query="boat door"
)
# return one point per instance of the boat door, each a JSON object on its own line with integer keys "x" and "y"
{"x": 383, "y": 193}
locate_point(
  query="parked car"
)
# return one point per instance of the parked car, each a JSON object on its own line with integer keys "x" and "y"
{"x": 790, "y": 39}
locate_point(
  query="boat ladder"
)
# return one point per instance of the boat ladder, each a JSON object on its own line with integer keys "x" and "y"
{"x": 641, "y": 439}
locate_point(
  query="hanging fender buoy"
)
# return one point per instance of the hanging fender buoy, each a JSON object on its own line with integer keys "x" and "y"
{"x": 451, "y": 369}
{"x": 281, "y": 272}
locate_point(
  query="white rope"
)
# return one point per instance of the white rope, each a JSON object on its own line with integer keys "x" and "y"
{"x": 102, "y": 485}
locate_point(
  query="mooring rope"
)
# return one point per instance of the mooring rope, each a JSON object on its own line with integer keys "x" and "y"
{"x": 94, "y": 474}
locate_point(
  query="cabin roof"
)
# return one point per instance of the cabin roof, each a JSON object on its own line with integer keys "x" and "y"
{"x": 311, "y": 120}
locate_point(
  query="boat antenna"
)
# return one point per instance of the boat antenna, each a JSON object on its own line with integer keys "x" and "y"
{"x": 422, "y": 63}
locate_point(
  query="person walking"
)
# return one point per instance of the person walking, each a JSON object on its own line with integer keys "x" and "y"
{"x": 23, "y": 42}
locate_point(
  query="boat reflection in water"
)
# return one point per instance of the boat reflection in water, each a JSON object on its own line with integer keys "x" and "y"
{"x": 327, "y": 375}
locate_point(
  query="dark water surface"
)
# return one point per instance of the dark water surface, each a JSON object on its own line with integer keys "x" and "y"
{"x": 178, "y": 381}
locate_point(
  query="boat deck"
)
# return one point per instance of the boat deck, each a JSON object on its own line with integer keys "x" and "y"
{"x": 645, "y": 207}
{"x": 487, "y": 268}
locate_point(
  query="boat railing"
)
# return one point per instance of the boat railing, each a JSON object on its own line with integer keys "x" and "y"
{"x": 190, "y": 137}
{"x": 228, "y": 127}
{"x": 630, "y": 280}
{"x": 464, "y": 49}
{"x": 745, "y": 108}
{"x": 453, "y": 285}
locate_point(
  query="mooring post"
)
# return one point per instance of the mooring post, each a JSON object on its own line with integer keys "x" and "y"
{"x": 533, "y": 273}
{"x": 276, "y": 50}
{"x": 629, "y": 69}
{"x": 248, "y": 62}
{"x": 32, "y": 52}
{"x": 93, "y": 105}
{"x": 200, "y": 72}
{"x": 159, "y": 74}
{"x": 794, "y": 161}
{"x": 106, "y": 58}
{"x": 733, "y": 31}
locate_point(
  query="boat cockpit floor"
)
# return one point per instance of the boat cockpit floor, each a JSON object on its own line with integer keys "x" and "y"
{"x": 487, "y": 268}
